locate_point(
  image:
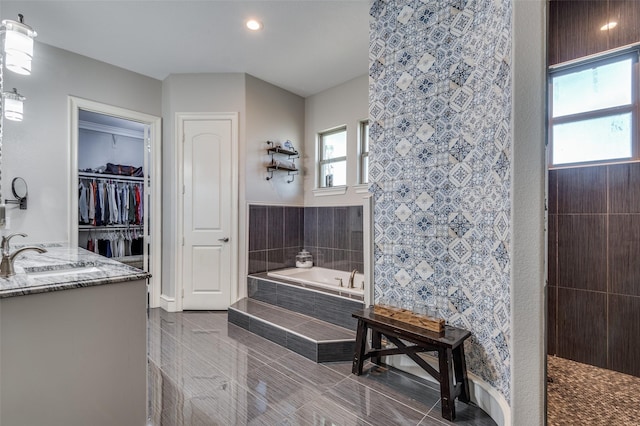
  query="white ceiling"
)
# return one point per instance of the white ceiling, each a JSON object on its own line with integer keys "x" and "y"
{"x": 306, "y": 46}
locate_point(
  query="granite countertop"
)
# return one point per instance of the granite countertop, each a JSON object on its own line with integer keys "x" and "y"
{"x": 63, "y": 268}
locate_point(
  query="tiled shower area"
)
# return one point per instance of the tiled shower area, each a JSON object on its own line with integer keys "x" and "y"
{"x": 333, "y": 236}
{"x": 594, "y": 266}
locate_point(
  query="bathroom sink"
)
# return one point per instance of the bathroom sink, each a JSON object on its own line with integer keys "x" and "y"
{"x": 58, "y": 270}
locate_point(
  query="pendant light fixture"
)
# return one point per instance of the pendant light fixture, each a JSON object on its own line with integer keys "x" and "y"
{"x": 13, "y": 105}
{"x": 18, "y": 45}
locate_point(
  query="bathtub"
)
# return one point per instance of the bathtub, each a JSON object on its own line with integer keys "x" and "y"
{"x": 322, "y": 278}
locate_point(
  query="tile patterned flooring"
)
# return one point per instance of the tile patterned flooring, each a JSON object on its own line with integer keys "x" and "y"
{"x": 581, "y": 394}
{"x": 205, "y": 371}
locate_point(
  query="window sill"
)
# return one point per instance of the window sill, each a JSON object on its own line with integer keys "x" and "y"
{"x": 332, "y": 190}
{"x": 361, "y": 188}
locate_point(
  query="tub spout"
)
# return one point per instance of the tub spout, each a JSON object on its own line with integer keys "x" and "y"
{"x": 351, "y": 277}
{"x": 6, "y": 265}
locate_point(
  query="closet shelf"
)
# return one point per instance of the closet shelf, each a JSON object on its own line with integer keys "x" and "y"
{"x": 105, "y": 176}
{"x": 109, "y": 227}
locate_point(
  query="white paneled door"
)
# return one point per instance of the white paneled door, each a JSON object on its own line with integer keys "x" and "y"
{"x": 207, "y": 212}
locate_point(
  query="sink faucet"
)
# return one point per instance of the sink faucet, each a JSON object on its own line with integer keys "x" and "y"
{"x": 6, "y": 265}
{"x": 351, "y": 277}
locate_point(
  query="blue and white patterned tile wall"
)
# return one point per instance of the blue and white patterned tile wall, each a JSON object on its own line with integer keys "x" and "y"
{"x": 440, "y": 110}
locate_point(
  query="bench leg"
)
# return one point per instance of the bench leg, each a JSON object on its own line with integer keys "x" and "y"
{"x": 376, "y": 343}
{"x": 447, "y": 389}
{"x": 360, "y": 347}
{"x": 460, "y": 368}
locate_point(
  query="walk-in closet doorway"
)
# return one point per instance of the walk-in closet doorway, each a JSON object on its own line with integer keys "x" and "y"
{"x": 116, "y": 156}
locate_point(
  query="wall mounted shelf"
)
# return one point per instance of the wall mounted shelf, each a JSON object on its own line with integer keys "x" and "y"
{"x": 276, "y": 165}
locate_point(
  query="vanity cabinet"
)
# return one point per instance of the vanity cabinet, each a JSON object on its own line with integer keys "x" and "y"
{"x": 73, "y": 347}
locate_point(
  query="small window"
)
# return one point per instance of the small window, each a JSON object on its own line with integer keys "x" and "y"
{"x": 592, "y": 111}
{"x": 364, "y": 152}
{"x": 333, "y": 157}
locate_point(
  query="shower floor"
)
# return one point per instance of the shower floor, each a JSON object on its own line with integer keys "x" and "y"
{"x": 581, "y": 394}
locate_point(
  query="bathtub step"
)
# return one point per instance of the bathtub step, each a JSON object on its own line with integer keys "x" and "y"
{"x": 312, "y": 338}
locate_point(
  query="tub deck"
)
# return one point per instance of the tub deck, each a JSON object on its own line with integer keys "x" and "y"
{"x": 315, "y": 324}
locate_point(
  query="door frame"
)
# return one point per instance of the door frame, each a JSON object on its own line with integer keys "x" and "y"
{"x": 180, "y": 117}
{"x": 75, "y": 104}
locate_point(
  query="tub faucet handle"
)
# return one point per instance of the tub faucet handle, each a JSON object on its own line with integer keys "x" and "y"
{"x": 351, "y": 277}
{"x": 339, "y": 281}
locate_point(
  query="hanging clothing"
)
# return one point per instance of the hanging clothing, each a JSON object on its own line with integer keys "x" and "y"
{"x": 83, "y": 203}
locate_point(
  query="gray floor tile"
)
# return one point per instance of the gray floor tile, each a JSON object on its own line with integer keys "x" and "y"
{"x": 306, "y": 371}
{"x": 419, "y": 396}
{"x": 281, "y": 392}
{"x": 205, "y": 371}
{"x": 324, "y": 411}
{"x": 371, "y": 405}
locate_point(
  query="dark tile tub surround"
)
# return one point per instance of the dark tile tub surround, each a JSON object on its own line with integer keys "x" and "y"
{"x": 594, "y": 265}
{"x": 275, "y": 236}
{"x": 333, "y": 236}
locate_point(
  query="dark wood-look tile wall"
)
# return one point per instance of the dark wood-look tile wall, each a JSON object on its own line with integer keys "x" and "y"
{"x": 624, "y": 181}
{"x": 624, "y": 334}
{"x": 582, "y": 248}
{"x": 582, "y": 326}
{"x": 582, "y": 190}
{"x": 552, "y": 319}
{"x": 595, "y": 264}
{"x": 574, "y": 27}
{"x": 624, "y": 254}
{"x": 552, "y": 249}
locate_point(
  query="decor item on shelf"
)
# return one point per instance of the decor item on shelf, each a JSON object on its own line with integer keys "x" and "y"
{"x": 13, "y": 105}
{"x": 304, "y": 259}
{"x": 284, "y": 164}
{"x": 288, "y": 145}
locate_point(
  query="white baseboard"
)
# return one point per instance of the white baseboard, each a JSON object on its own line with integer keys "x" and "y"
{"x": 482, "y": 394}
{"x": 168, "y": 303}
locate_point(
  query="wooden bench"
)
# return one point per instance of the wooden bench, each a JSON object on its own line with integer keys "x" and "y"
{"x": 448, "y": 344}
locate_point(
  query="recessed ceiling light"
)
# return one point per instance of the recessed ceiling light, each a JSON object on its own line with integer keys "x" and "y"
{"x": 254, "y": 25}
{"x": 608, "y": 26}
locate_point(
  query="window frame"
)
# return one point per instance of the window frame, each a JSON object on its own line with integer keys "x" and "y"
{"x": 363, "y": 142}
{"x": 321, "y": 160}
{"x": 579, "y": 65}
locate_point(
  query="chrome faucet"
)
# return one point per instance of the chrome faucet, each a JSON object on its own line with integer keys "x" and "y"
{"x": 6, "y": 265}
{"x": 351, "y": 277}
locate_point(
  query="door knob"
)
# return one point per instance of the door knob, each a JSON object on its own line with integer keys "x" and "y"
{"x": 224, "y": 240}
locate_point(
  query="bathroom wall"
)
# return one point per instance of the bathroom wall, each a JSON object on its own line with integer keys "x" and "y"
{"x": 333, "y": 236}
{"x": 345, "y": 104}
{"x": 594, "y": 271}
{"x": 266, "y": 112}
{"x": 190, "y": 93}
{"x": 441, "y": 167}
{"x": 38, "y": 147}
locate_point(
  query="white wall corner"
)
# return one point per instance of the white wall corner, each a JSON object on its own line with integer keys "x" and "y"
{"x": 528, "y": 235}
